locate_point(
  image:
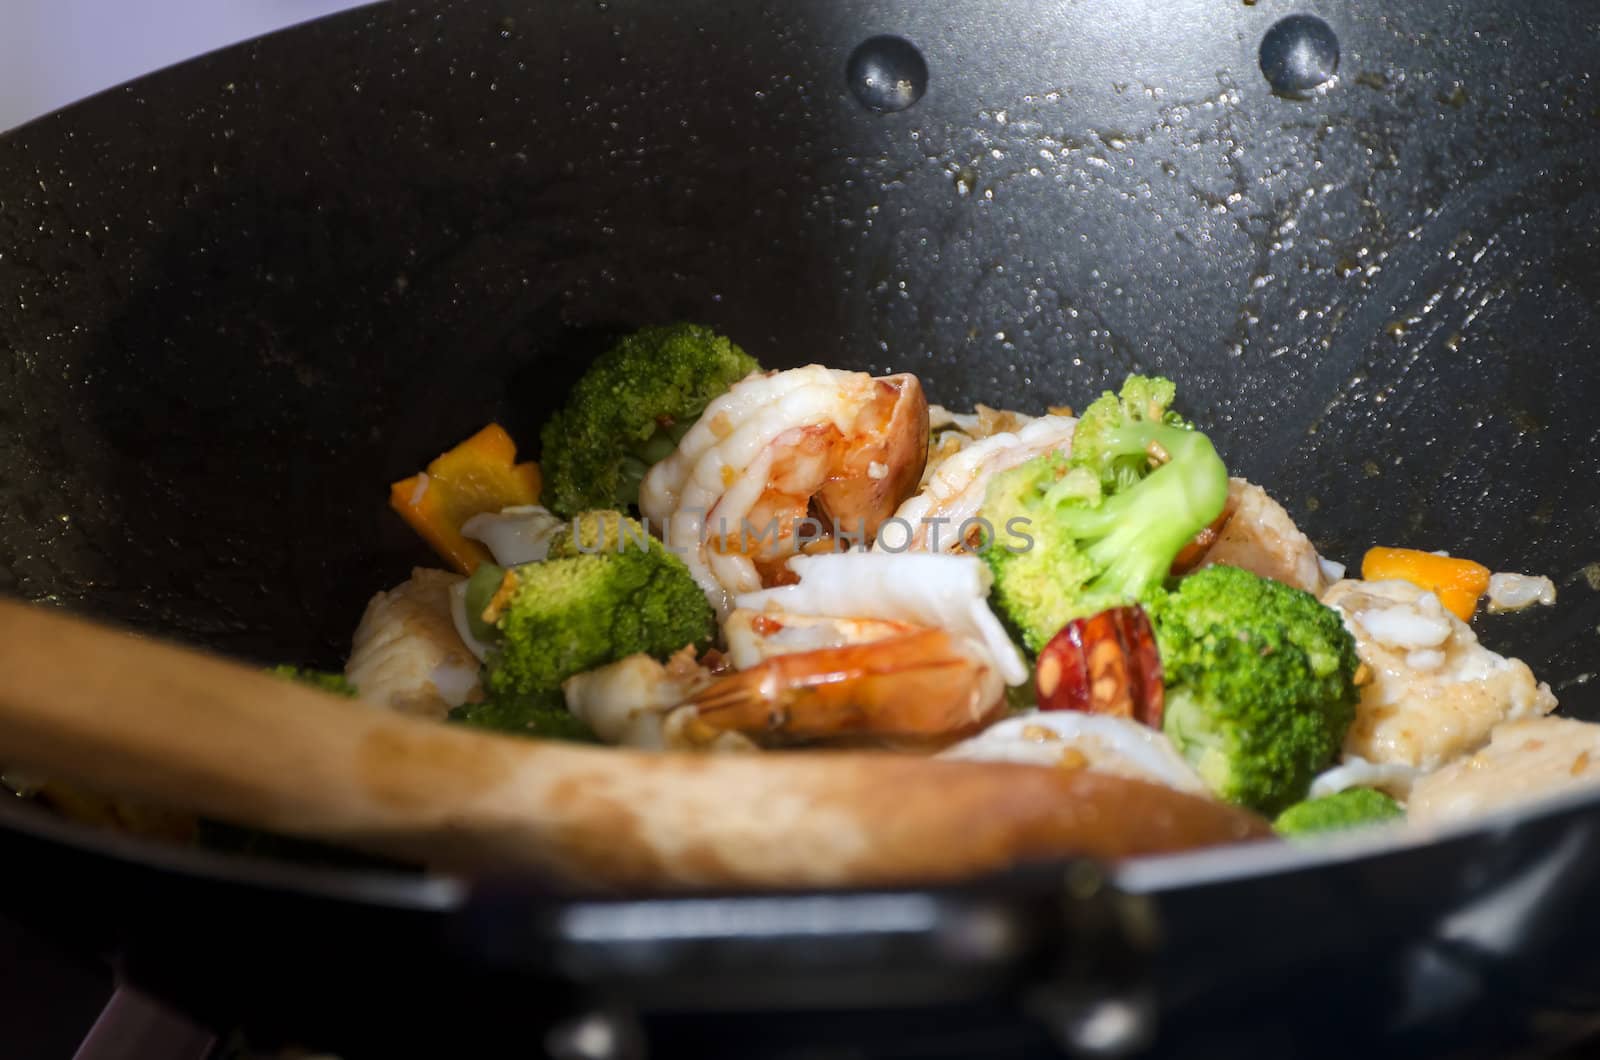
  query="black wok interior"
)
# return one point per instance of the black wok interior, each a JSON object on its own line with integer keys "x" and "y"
{"x": 240, "y": 297}
{"x": 244, "y": 295}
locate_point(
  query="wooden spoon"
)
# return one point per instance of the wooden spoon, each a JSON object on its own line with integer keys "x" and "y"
{"x": 152, "y": 721}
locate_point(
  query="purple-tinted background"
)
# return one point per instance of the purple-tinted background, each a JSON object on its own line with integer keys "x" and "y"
{"x": 53, "y": 52}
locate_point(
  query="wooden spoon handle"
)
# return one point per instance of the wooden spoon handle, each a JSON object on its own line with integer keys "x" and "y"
{"x": 150, "y": 720}
{"x": 147, "y": 719}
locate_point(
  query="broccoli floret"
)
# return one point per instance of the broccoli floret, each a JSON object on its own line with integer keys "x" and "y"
{"x": 323, "y": 679}
{"x": 1260, "y": 683}
{"x": 1100, "y": 528}
{"x": 544, "y": 716}
{"x": 1039, "y": 571}
{"x": 629, "y": 411}
{"x": 1354, "y": 808}
{"x": 609, "y": 592}
{"x": 596, "y": 532}
{"x": 1143, "y": 399}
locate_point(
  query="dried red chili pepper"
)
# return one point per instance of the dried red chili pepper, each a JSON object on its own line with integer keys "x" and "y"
{"x": 1104, "y": 664}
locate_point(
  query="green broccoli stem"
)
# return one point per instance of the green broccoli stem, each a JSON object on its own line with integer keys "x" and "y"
{"x": 1134, "y": 535}
{"x": 481, "y": 587}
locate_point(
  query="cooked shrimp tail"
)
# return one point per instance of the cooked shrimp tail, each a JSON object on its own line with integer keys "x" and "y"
{"x": 917, "y": 684}
{"x": 883, "y": 468}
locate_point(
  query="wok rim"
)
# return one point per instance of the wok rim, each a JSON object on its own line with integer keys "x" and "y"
{"x": 377, "y": 887}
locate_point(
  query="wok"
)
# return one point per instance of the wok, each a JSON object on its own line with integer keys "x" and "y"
{"x": 243, "y": 295}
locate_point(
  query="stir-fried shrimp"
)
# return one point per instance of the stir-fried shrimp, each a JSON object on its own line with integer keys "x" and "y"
{"x": 755, "y": 636}
{"x": 924, "y": 683}
{"x": 1256, "y": 534}
{"x": 406, "y": 653}
{"x": 919, "y": 589}
{"x": 935, "y": 518}
{"x": 891, "y": 645}
{"x": 781, "y": 461}
{"x": 1432, "y": 693}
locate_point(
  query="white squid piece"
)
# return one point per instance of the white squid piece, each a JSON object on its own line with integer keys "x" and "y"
{"x": 521, "y": 534}
{"x": 406, "y": 653}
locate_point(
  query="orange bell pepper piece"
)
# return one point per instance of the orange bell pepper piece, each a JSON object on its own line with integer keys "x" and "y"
{"x": 1459, "y": 583}
{"x": 479, "y": 475}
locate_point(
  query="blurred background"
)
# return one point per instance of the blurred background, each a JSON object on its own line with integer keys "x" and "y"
{"x": 53, "y": 52}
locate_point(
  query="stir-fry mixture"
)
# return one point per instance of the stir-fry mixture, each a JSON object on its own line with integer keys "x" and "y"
{"x": 714, "y": 557}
